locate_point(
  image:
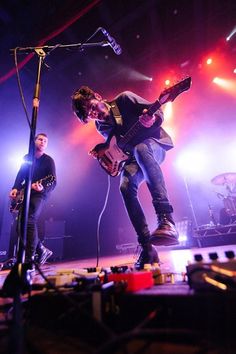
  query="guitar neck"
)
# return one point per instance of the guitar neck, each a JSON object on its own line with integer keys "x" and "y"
{"x": 137, "y": 126}
{"x": 153, "y": 108}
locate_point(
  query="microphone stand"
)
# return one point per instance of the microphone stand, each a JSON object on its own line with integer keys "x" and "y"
{"x": 48, "y": 48}
{"x": 18, "y": 281}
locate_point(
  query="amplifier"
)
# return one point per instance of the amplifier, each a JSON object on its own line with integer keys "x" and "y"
{"x": 214, "y": 275}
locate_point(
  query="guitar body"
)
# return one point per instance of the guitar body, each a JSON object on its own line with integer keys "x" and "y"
{"x": 16, "y": 203}
{"x": 111, "y": 157}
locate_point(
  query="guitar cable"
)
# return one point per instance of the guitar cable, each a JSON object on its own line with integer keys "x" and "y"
{"x": 100, "y": 217}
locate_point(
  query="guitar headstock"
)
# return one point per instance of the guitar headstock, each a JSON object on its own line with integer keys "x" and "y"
{"x": 170, "y": 94}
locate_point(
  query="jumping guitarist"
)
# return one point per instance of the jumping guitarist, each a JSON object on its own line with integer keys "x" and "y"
{"x": 135, "y": 147}
{"x": 43, "y": 170}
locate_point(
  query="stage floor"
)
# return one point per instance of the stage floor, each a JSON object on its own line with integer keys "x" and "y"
{"x": 172, "y": 261}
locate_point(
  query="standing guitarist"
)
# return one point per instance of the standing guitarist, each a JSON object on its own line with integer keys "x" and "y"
{"x": 144, "y": 153}
{"x": 43, "y": 166}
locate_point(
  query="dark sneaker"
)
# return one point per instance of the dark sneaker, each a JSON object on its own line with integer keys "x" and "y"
{"x": 30, "y": 267}
{"x": 148, "y": 255}
{"x": 43, "y": 255}
{"x": 29, "y": 263}
{"x": 9, "y": 264}
{"x": 166, "y": 234}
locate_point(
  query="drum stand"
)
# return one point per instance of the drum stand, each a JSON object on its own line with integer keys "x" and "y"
{"x": 191, "y": 207}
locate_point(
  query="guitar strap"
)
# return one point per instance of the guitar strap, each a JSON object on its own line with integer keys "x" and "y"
{"x": 116, "y": 113}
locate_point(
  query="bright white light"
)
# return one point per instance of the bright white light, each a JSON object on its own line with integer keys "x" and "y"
{"x": 182, "y": 227}
{"x": 231, "y": 34}
{"x": 179, "y": 259}
{"x": 16, "y": 161}
{"x": 182, "y": 238}
{"x": 228, "y": 85}
{"x": 168, "y": 111}
{"x": 192, "y": 161}
{"x": 136, "y": 75}
{"x": 219, "y": 81}
{"x": 167, "y": 82}
{"x": 170, "y": 130}
{"x": 216, "y": 80}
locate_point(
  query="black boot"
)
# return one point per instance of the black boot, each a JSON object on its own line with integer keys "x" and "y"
{"x": 148, "y": 255}
{"x": 166, "y": 233}
{"x": 43, "y": 253}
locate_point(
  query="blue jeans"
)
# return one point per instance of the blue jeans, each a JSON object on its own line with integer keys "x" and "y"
{"x": 144, "y": 166}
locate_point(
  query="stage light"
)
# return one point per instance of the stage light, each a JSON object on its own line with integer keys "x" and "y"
{"x": 227, "y": 85}
{"x": 167, "y": 82}
{"x": 217, "y": 80}
{"x": 209, "y": 61}
{"x": 184, "y": 229}
{"x": 184, "y": 64}
{"x": 137, "y": 76}
{"x": 231, "y": 34}
{"x": 234, "y": 71}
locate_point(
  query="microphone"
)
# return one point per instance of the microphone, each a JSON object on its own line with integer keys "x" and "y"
{"x": 112, "y": 42}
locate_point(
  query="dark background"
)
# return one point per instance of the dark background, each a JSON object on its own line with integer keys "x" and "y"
{"x": 159, "y": 39}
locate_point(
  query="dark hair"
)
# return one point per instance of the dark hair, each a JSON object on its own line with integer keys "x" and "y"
{"x": 80, "y": 99}
{"x": 43, "y": 134}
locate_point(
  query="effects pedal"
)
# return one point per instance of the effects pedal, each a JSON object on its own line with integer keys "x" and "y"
{"x": 134, "y": 280}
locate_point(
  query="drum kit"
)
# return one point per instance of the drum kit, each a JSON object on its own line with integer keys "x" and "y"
{"x": 228, "y": 180}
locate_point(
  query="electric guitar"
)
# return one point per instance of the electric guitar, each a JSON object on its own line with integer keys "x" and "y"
{"x": 17, "y": 202}
{"x": 112, "y": 154}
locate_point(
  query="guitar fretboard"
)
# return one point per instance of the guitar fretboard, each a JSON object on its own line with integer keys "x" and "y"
{"x": 131, "y": 133}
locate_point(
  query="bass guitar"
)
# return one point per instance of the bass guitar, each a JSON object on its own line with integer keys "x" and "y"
{"x": 17, "y": 202}
{"x": 112, "y": 154}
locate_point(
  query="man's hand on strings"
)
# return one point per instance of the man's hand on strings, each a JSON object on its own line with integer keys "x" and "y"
{"x": 97, "y": 151}
{"x": 93, "y": 153}
{"x": 13, "y": 193}
{"x": 37, "y": 186}
{"x": 146, "y": 120}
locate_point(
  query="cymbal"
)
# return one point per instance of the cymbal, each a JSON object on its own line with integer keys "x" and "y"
{"x": 224, "y": 178}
